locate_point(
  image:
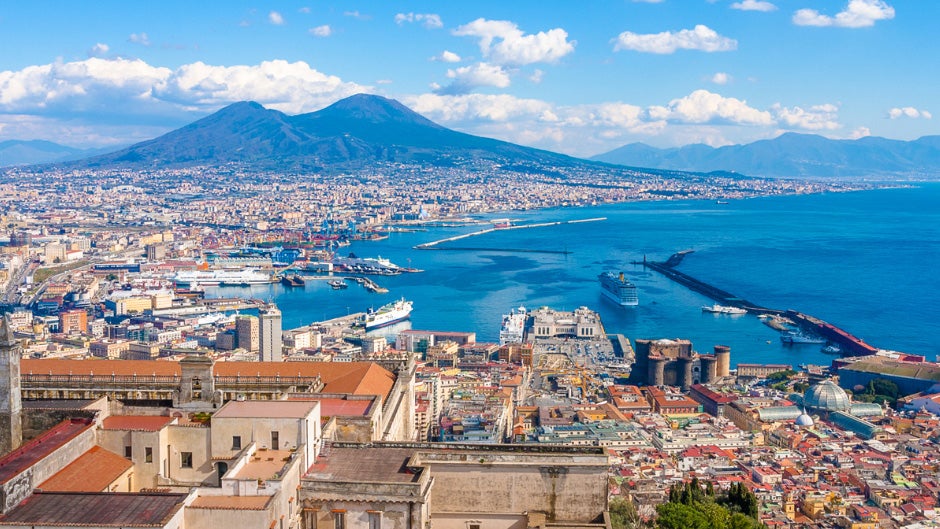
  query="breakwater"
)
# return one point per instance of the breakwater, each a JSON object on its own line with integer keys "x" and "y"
{"x": 433, "y": 244}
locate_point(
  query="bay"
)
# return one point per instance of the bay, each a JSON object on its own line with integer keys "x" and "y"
{"x": 865, "y": 261}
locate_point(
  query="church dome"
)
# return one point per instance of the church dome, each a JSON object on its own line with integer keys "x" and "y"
{"x": 826, "y": 396}
{"x": 804, "y": 419}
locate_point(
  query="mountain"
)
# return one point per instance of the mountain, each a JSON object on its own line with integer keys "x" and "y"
{"x": 354, "y": 132}
{"x": 29, "y": 152}
{"x": 794, "y": 154}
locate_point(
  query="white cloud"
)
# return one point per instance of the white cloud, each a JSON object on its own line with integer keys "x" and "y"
{"x": 860, "y": 132}
{"x": 754, "y": 5}
{"x": 817, "y": 117}
{"x": 908, "y": 112}
{"x": 446, "y": 56}
{"x": 721, "y": 78}
{"x": 139, "y": 38}
{"x": 321, "y": 31}
{"x": 98, "y": 50}
{"x": 429, "y": 20}
{"x": 857, "y": 14}
{"x": 275, "y": 18}
{"x": 503, "y": 43}
{"x": 700, "y": 38}
{"x": 357, "y": 15}
{"x": 384, "y": 81}
{"x": 537, "y": 76}
{"x": 305, "y": 10}
{"x": 702, "y": 106}
{"x": 467, "y": 78}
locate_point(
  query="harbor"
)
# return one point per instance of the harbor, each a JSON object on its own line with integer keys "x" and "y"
{"x": 433, "y": 245}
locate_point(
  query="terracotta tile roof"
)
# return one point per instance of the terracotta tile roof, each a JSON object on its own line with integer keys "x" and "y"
{"x": 265, "y": 464}
{"x": 34, "y": 451}
{"x": 136, "y": 423}
{"x": 95, "y": 509}
{"x": 344, "y": 408}
{"x": 356, "y": 378}
{"x": 236, "y": 503}
{"x": 280, "y": 409}
{"x": 93, "y": 471}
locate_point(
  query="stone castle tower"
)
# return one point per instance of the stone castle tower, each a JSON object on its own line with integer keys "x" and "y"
{"x": 11, "y": 427}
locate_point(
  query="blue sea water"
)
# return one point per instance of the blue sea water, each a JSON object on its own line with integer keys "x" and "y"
{"x": 865, "y": 261}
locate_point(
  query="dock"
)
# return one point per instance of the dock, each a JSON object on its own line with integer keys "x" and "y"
{"x": 431, "y": 245}
{"x": 850, "y": 344}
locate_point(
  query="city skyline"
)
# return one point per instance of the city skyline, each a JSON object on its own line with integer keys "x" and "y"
{"x": 570, "y": 79}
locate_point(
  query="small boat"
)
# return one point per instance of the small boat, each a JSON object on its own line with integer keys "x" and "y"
{"x": 796, "y": 337}
{"x": 832, "y": 349}
{"x": 337, "y": 284}
{"x": 723, "y": 309}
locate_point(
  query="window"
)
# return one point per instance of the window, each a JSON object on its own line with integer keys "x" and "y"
{"x": 236, "y": 442}
{"x": 375, "y": 520}
{"x": 148, "y": 455}
{"x": 127, "y": 452}
{"x": 275, "y": 443}
{"x": 186, "y": 460}
{"x": 473, "y": 525}
{"x": 339, "y": 520}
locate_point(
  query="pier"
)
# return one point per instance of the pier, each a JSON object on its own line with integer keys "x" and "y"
{"x": 432, "y": 245}
{"x": 850, "y": 345}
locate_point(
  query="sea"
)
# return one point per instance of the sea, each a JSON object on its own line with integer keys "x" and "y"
{"x": 866, "y": 261}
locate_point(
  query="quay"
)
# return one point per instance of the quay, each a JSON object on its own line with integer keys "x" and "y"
{"x": 848, "y": 343}
{"x": 432, "y": 244}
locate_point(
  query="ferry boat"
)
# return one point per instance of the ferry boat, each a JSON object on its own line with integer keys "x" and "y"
{"x": 513, "y": 327}
{"x": 387, "y": 315}
{"x": 798, "y": 338}
{"x": 243, "y": 277}
{"x": 618, "y": 289}
{"x": 723, "y": 309}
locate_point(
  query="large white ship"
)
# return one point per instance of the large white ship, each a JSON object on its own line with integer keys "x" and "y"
{"x": 618, "y": 289}
{"x": 243, "y": 277}
{"x": 387, "y": 315}
{"x": 513, "y": 326}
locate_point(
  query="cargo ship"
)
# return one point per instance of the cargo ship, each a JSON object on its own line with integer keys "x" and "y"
{"x": 386, "y": 315}
{"x": 244, "y": 277}
{"x": 513, "y": 327}
{"x": 618, "y": 289}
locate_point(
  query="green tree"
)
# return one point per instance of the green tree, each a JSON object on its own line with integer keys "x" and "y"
{"x": 679, "y": 516}
{"x": 881, "y": 386}
{"x": 623, "y": 514}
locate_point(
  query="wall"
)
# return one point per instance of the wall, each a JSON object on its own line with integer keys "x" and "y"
{"x": 486, "y": 521}
{"x": 189, "y": 439}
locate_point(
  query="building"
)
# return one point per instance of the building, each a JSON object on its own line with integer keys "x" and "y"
{"x": 109, "y": 350}
{"x": 270, "y": 334}
{"x": 761, "y": 370}
{"x": 548, "y": 323}
{"x": 73, "y": 321}
{"x": 248, "y": 333}
{"x": 156, "y": 251}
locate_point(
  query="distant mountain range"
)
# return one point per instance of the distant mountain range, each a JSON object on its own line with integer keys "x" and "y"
{"x": 794, "y": 155}
{"x": 30, "y": 152}
{"x": 356, "y": 132}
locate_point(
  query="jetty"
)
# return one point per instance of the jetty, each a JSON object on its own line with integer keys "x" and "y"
{"x": 433, "y": 244}
{"x": 850, "y": 345}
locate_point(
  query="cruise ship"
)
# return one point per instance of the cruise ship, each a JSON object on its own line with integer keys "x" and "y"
{"x": 618, "y": 289}
{"x": 513, "y": 326}
{"x": 244, "y": 277}
{"x": 387, "y": 315}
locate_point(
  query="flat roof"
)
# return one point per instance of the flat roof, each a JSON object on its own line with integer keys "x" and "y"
{"x": 373, "y": 464}
{"x": 257, "y": 409}
{"x": 113, "y": 509}
{"x": 235, "y": 503}
{"x": 93, "y": 471}
{"x": 34, "y": 451}
{"x": 136, "y": 423}
{"x": 264, "y": 464}
{"x": 333, "y": 407}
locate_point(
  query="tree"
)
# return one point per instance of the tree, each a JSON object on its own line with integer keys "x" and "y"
{"x": 623, "y": 514}
{"x": 678, "y": 516}
{"x": 882, "y": 386}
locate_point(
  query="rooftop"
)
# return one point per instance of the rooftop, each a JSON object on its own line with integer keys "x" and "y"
{"x": 93, "y": 471}
{"x": 356, "y": 464}
{"x": 34, "y": 451}
{"x": 264, "y": 464}
{"x": 95, "y": 509}
{"x": 253, "y": 409}
{"x": 136, "y": 423}
{"x": 235, "y": 503}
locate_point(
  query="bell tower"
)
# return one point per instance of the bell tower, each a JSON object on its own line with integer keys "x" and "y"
{"x": 11, "y": 427}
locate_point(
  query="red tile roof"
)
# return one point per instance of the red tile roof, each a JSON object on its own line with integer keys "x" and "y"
{"x": 136, "y": 423}
{"x": 34, "y": 451}
{"x": 93, "y": 471}
{"x": 95, "y": 509}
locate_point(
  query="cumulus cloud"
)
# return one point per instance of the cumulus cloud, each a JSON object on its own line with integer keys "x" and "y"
{"x": 701, "y": 38}
{"x": 908, "y": 112}
{"x": 857, "y": 14}
{"x": 817, "y": 117}
{"x": 754, "y": 5}
{"x": 467, "y": 78}
{"x": 428, "y": 20}
{"x": 721, "y": 78}
{"x": 321, "y": 31}
{"x": 139, "y": 38}
{"x": 98, "y": 50}
{"x": 502, "y": 42}
{"x": 446, "y": 56}
{"x": 702, "y": 106}
{"x": 860, "y": 132}
{"x": 275, "y": 18}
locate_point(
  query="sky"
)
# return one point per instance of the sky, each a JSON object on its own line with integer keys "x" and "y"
{"x": 578, "y": 77}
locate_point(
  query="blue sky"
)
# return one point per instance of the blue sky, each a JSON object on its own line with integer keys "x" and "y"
{"x": 574, "y": 77}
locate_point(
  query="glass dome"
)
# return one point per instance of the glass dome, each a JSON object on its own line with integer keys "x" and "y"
{"x": 826, "y": 396}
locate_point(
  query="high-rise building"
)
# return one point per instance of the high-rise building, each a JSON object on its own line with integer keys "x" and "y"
{"x": 270, "y": 350}
{"x": 247, "y": 332}
{"x": 73, "y": 321}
